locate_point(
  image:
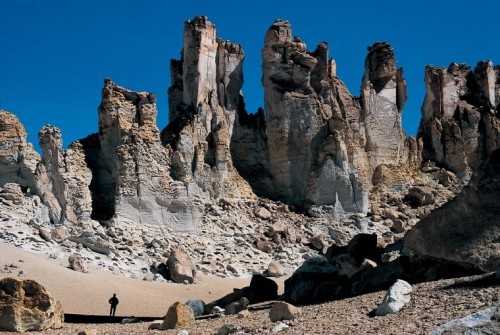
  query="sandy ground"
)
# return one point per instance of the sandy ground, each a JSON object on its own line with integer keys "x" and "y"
{"x": 432, "y": 303}
{"x": 88, "y": 293}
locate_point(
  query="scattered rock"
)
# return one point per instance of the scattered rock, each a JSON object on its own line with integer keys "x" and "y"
{"x": 396, "y": 298}
{"x": 78, "y": 263}
{"x": 283, "y": 311}
{"x": 180, "y": 266}
{"x": 198, "y": 307}
{"x": 280, "y": 326}
{"x": 178, "y": 316}
{"x": 275, "y": 269}
{"x": 236, "y": 307}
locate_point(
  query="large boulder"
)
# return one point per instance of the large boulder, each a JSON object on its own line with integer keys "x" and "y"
{"x": 466, "y": 229}
{"x": 304, "y": 286}
{"x": 180, "y": 267}
{"x": 25, "y": 305}
{"x": 178, "y": 316}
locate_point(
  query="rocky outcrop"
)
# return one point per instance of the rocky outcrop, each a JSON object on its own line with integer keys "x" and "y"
{"x": 383, "y": 95}
{"x": 313, "y": 126}
{"x": 63, "y": 179}
{"x": 460, "y": 122}
{"x": 204, "y": 101}
{"x": 131, "y": 168}
{"x": 465, "y": 230}
{"x": 25, "y": 305}
{"x": 323, "y": 143}
{"x": 18, "y": 159}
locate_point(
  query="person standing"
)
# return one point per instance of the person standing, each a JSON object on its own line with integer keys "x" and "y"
{"x": 113, "y": 301}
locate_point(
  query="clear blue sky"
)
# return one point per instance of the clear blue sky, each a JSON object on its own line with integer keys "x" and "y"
{"x": 54, "y": 54}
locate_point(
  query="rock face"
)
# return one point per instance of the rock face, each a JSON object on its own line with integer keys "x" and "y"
{"x": 323, "y": 144}
{"x": 204, "y": 101}
{"x": 383, "y": 96}
{"x": 26, "y": 305}
{"x": 465, "y": 230}
{"x": 131, "y": 168}
{"x": 460, "y": 124}
{"x": 18, "y": 159}
{"x": 63, "y": 179}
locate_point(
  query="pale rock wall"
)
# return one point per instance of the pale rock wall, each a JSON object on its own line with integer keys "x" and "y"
{"x": 460, "y": 124}
{"x": 18, "y": 159}
{"x": 209, "y": 78}
{"x": 316, "y": 136}
{"x": 63, "y": 179}
{"x": 131, "y": 166}
{"x": 383, "y": 95}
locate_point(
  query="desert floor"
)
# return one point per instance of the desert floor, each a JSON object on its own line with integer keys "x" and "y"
{"x": 432, "y": 303}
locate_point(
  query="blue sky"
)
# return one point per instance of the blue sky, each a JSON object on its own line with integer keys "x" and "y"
{"x": 54, "y": 54}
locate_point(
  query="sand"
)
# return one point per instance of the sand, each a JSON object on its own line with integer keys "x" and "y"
{"x": 88, "y": 293}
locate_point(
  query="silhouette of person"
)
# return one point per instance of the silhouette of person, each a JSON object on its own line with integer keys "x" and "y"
{"x": 113, "y": 301}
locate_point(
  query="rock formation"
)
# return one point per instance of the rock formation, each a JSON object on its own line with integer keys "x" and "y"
{"x": 460, "y": 122}
{"x": 18, "y": 159}
{"x": 25, "y": 305}
{"x": 383, "y": 96}
{"x": 204, "y": 101}
{"x": 323, "y": 144}
{"x": 465, "y": 230}
{"x": 63, "y": 179}
{"x": 131, "y": 168}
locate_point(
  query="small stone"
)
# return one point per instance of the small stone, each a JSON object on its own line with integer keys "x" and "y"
{"x": 275, "y": 269}
{"x": 280, "y": 326}
{"x": 92, "y": 331}
{"x": 396, "y": 298}
{"x": 283, "y": 311}
{"x": 227, "y": 329}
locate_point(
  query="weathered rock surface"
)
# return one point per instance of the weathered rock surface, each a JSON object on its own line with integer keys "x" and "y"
{"x": 486, "y": 321}
{"x": 460, "y": 124}
{"x": 383, "y": 95}
{"x": 180, "y": 266}
{"x": 18, "y": 159}
{"x": 204, "y": 101}
{"x": 283, "y": 311}
{"x": 64, "y": 179}
{"x": 178, "y": 316}
{"x": 396, "y": 298}
{"x": 25, "y": 305}
{"x": 323, "y": 144}
{"x": 465, "y": 230}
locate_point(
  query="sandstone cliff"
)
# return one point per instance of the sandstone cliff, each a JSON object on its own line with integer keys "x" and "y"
{"x": 130, "y": 166}
{"x": 323, "y": 143}
{"x": 18, "y": 159}
{"x": 204, "y": 101}
{"x": 460, "y": 125}
{"x": 63, "y": 179}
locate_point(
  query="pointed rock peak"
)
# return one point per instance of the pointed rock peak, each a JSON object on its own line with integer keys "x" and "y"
{"x": 200, "y": 22}
{"x": 380, "y": 62}
{"x": 279, "y": 33}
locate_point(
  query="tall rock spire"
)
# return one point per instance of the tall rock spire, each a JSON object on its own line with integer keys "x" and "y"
{"x": 315, "y": 156}
{"x": 204, "y": 100}
{"x": 460, "y": 122}
{"x": 383, "y": 96}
